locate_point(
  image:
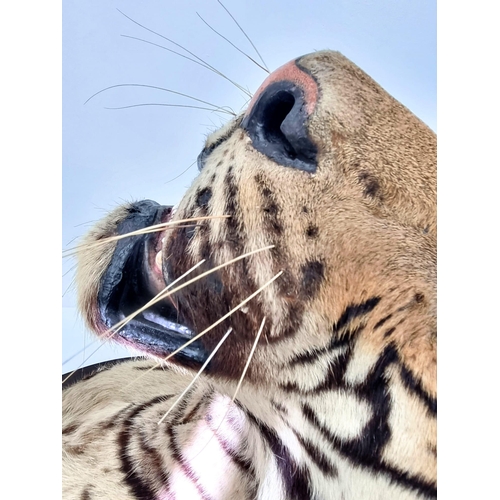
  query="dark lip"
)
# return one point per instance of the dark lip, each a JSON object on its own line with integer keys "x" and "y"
{"x": 132, "y": 280}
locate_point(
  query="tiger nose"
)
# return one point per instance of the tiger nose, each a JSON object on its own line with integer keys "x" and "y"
{"x": 277, "y": 117}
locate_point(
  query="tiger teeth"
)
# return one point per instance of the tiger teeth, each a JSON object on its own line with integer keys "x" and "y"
{"x": 159, "y": 259}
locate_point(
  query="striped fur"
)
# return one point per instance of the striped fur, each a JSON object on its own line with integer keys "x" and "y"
{"x": 339, "y": 401}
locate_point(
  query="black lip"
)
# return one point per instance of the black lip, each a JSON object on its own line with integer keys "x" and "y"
{"x": 127, "y": 286}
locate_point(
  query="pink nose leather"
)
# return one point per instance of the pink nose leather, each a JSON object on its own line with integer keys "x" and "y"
{"x": 292, "y": 73}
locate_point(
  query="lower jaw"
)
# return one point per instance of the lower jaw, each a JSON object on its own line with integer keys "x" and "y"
{"x": 131, "y": 280}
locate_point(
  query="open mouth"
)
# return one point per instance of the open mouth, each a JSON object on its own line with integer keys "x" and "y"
{"x": 132, "y": 279}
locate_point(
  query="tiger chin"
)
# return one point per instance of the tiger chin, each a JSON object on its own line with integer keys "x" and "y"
{"x": 308, "y": 241}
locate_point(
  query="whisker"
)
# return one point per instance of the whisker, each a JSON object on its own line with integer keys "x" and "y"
{"x": 213, "y": 325}
{"x": 170, "y": 106}
{"x": 159, "y": 296}
{"x": 153, "y": 87}
{"x": 73, "y": 239}
{"x": 243, "y": 31}
{"x": 259, "y": 333}
{"x": 67, "y": 360}
{"x": 162, "y": 295}
{"x": 247, "y": 364}
{"x": 183, "y": 172}
{"x": 113, "y": 330}
{"x": 72, "y": 268}
{"x": 167, "y": 293}
{"x": 70, "y": 252}
{"x": 166, "y": 48}
{"x": 232, "y": 311}
{"x": 71, "y": 283}
{"x": 231, "y": 43}
{"x": 85, "y": 360}
{"x": 204, "y": 63}
{"x": 195, "y": 378}
{"x": 88, "y": 223}
{"x": 146, "y": 230}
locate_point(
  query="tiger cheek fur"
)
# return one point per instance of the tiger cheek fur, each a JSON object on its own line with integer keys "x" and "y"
{"x": 342, "y": 234}
{"x": 339, "y": 401}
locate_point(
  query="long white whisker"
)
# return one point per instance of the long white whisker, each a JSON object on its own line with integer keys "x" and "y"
{"x": 67, "y": 360}
{"x": 200, "y": 371}
{"x": 204, "y": 65}
{"x": 163, "y": 89}
{"x": 232, "y": 311}
{"x": 112, "y": 331}
{"x": 146, "y": 230}
{"x": 188, "y": 51}
{"x": 233, "y": 45}
{"x": 213, "y": 325}
{"x": 247, "y": 364}
{"x": 159, "y": 296}
{"x": 183, "y": 172}
{"x": 220, "y": 110}
{"x": 166, "y": 292}
{"x": 243, "y": 31}
{"x": 259, "y": 333}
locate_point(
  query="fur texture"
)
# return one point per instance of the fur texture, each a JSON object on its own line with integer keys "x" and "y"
{"x": 339, "y": 401}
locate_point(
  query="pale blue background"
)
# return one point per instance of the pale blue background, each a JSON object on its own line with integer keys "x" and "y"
{"x": 115, "y": 155}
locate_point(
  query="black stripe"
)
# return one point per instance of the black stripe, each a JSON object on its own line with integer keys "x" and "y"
{"x": 270, "y": 209}
{"x": 203, "y": 399}
{"x": 161, "y": 368}
{"x": 366, "y": 450}
{"x": 354, "y": 311}
{"x": 296, "y": 479}
{"x": 291, "y": 322}
{"x": 234, "y": 224}
{"x": 313, "y": 275}
{"x": 86, "y": 493}
{"x": 152, "y": 461}
{"x": 336, "y": 367}
{"x": 389, "y": 332}
{"x": 278, "y": 406}
{"x": 207, "y": 151}
{"x": 318, "y": 457}
{"x": 116, "y": 419}
{"x": 176, "y": 452}
{"x": 70, "y": 429}
{"x": 334, "y": 378}
{"x": 244, "y": 464}
{"x": 382, "y": 321}
{"x": 132, "y": 478}
{"x": 415, "y": 386}
{"x": 312, "y": 355}
{"x": 398, "y": 476}
{"x": 203, "y": 197}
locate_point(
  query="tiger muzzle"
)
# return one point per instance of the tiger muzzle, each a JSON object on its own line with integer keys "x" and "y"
{"x": 131, "y": 282}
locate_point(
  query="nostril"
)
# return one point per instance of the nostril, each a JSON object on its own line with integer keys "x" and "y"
{"x": 272, "y": 118}
{"x": 277, "y": 126}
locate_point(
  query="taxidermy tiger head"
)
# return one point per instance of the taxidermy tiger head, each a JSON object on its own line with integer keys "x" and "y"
{"x": 324, "y": 191}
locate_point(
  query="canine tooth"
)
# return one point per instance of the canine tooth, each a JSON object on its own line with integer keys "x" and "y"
{"x": 244, "y": 309}
{"x": 158, "y": 259}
